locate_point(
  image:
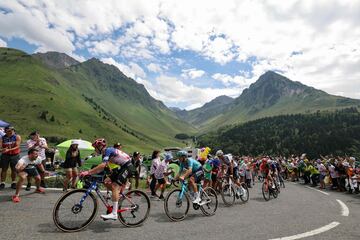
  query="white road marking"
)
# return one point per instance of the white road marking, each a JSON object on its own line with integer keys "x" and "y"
{"x": 318, "y": 190}
{"x": 344, "y": 208}
{"x": 310, "y": 233}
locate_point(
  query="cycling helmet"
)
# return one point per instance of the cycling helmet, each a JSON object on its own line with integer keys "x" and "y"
{"x": 219, "y": 153}
{"x": 99, "y": 143}
{"x": 181, "y": 154}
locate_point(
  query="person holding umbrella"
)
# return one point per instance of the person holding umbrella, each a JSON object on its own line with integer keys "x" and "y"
{"x": 72, "y": 161}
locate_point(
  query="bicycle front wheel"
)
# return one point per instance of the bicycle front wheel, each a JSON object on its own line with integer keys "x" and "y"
{"x": 209, "y": 201}
{"x": 134, "y": 209}
{"x": 71, "y": 216}
{"x": 266, "y": 191}
{"x": 245, "y": 193}
{"x": 228, "y": 194}
{"x": 176, "y": 205}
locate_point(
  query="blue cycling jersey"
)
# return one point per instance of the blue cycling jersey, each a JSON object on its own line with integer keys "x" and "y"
{"x": 190, "y": 163}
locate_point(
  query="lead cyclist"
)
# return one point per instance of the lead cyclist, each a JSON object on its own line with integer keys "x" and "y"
{"x": 118, "y": 162}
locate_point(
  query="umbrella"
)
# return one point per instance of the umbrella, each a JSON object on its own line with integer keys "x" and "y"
{"x": 4, "y": 124}
{"x": 84, "y": 146}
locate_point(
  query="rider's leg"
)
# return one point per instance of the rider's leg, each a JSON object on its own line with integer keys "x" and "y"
{"x": 115, "y": 188}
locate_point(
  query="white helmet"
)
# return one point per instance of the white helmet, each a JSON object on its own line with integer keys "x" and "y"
{"x": 219, "y": 153}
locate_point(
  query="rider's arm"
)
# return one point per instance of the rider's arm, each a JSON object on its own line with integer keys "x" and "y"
{"x": 98, "y": 168}
{"x": 187, "y": 173}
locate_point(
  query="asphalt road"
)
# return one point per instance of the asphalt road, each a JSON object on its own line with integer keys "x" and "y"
{"x": 298, "y": 210}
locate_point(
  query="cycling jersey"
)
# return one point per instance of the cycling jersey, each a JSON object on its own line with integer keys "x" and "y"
{"x": 10, "y": 142}
{"x": 228, "y": 159}
{"x": 190, "y": 163}
{"x": 115, "y": 157}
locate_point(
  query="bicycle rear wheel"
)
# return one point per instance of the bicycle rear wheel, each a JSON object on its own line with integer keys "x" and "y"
{"x": 71, "y": 216}
{"x": 266, "y": 191}
{"x": 209, "y": 196}
{"x": 134, "y": 209}
{"x": 245, "y": 196}
{"x": 176, "y": 206}
{"x": 228, "y": 194}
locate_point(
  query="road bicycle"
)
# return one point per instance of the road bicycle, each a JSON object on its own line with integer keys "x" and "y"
{"x": 177, "y": 202}
{"x": 76, "y": 209}
{"x": 231, "y": 191}
{"x": 268, "y": 190}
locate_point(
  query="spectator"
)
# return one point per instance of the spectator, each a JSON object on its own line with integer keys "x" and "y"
{"x": 135, "y": 169}
{"x": 28, "y": 166}
{"x": 155, "y": 161}
{"x": 160, "y": 173}
{"x": 10, "y": 148}
{"x": 39, "y": 144}
{"x": 72, "y": 161}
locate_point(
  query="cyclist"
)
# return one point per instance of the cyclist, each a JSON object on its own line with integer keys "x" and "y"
{"x": 232, "y": 169}
{"x": 194, "y": 172}
{"x": 117, "y": 163}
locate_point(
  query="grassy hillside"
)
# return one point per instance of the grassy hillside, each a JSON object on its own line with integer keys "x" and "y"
{"x": 85, "y": 101}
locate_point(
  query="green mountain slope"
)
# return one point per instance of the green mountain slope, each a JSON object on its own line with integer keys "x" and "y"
{"x": 87, "y": 100}
{"x": 336, "y": 132}
{"x": 212, "y": 109}
{"x": 274, "y": 95}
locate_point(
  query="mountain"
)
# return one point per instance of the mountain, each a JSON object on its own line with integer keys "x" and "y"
{"x": 209, "y": 110}
{"x": 325, "y": 133}
{"x": 271, "y": 95}
{"x": 86, "y": 100}
{"x": 56, "y": 60}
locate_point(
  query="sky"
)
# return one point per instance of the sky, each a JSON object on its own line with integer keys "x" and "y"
{"x": 188, "y": 52}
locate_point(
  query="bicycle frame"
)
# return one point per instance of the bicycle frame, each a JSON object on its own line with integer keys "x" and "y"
{"x": 94, "y": 187}
{"x": 184, "y": 190}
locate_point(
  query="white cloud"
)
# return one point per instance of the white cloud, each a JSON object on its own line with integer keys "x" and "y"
{"x": 2, "y": 43}
{"x": 228, "y": 80}
{"x": 154, "y": 67}
{"x": 132, "y": 70}
{"x": 174, "y": 91}
{"x": 192, "y": 73}
{"x": 326, "y": 33}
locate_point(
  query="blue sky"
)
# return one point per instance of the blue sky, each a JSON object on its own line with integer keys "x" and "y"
{"x": 188, "y": 52}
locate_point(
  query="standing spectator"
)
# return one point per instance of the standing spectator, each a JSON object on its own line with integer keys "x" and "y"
{"x": 154, "y": 165}
{"x": 10, "y": 149}
{"x": 72, "y": 160}
{"x": 334, "y": 175}
{"x": 135, "y": 169}
{"x": 323, "y": 172}
{"x": 28, "y": 166}
{"x": 41, "y": 146}
{"x": 160, "y": 173}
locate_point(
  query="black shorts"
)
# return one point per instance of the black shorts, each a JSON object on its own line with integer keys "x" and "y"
{"x": 214, "y": 177}
{"x": 120, "y": 175}
{"x": 7, "y": 160}
{"x": 161, "y": 181}
{"x": 31, "y": 171}
{"x": 235, "y": 173}
{"x": 198, "y": 175}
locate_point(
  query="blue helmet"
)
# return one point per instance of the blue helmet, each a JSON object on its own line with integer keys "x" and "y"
{"x": 181, "y": 154}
